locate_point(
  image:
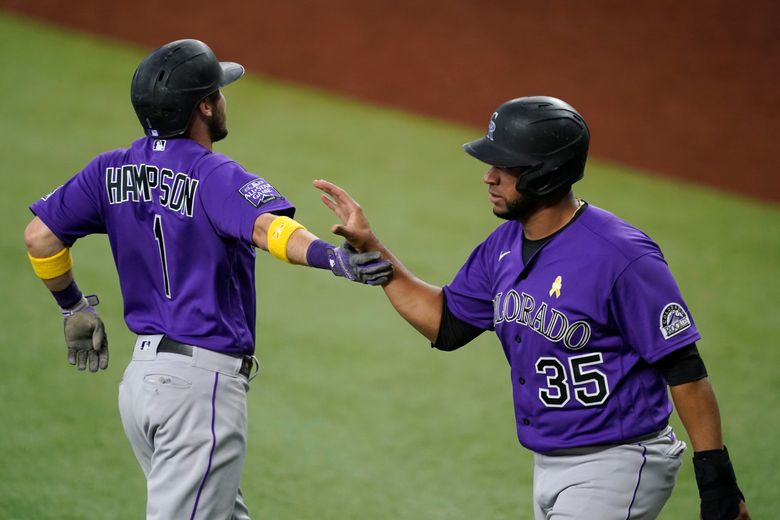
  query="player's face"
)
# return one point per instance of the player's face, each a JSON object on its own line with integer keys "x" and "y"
{"x": 217, "y": 124}
{"x": 507, "y": 202}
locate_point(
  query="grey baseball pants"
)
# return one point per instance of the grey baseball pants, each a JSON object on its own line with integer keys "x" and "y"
{"x": 625, "y": 482}
{"x": 185, "y": 418}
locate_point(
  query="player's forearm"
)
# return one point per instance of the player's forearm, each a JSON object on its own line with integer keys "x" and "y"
{"x": 296, "y": 246}
{"x": 417, "y": 301}
{"x": 289, "y": 241}
{"x": 698, "y": 409}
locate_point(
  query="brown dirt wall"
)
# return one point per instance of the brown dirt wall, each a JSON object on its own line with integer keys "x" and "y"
{"x": 687, "y": 89}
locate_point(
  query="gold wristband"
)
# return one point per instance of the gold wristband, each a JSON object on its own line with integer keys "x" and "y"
{"x": 279, "y": 233}
{"x": 52, "y": 266}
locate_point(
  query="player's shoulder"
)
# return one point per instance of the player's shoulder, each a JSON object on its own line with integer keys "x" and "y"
{"x": 113, "y": 157}
{"x": 504, "y": 234}
{"x": 214, "y": 160}
{"x": 218, "y": 165}
{"x": 615, "y": 234}
{"x": 119, "y": 156}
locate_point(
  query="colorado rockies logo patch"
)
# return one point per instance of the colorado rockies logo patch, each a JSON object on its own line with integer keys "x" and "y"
{"x": 258, "y": 192}
{"x": 674, "y": 320}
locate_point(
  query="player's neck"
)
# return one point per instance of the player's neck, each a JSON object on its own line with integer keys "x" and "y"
{"x": 199, "y": 133}
{"x": 550, "y": 218}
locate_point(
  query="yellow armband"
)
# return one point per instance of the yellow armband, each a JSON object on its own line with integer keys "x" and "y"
{"x": 279, "y": 233}
{"x": 52, "y": 266}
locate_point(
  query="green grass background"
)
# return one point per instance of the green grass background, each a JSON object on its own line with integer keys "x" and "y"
{"x": 353, "y": 415}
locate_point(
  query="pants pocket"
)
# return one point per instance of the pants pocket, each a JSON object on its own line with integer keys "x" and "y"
{"x": 163, "y": 380}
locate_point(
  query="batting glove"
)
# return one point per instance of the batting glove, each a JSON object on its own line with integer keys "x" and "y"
{"x": 368, "y": 268}
{"x": 85, "y": 335}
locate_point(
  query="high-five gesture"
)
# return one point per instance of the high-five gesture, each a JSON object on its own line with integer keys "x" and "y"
{"x": 354, "y": 225}
{"x": 419, "y": 302}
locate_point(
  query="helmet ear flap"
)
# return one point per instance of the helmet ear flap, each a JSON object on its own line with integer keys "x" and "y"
{"x": 540, "y": 183}
{"x": 529, "y": 178}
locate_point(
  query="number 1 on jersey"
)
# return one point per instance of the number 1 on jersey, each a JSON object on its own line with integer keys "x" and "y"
{"x": 160, "y": 238}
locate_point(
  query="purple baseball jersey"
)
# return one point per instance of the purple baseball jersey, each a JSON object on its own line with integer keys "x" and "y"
{"x": 580, "y": 325}
{"x": 180, "y": 220}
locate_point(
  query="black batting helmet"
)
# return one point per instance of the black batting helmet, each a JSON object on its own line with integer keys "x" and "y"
{"x": 543, "y": 135}
{"x": 171, "y": 81}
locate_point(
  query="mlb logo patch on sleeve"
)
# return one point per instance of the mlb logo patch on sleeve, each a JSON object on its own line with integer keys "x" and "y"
{"x": 258, "y": 192}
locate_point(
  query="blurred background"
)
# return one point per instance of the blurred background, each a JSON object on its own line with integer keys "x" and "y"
{"x": 354, "y": 416}
{"x": 686, "y": 89}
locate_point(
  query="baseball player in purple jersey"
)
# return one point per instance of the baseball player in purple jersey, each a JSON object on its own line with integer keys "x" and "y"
{"x": 183, "y": 223}
{"x": 591, "y": 321}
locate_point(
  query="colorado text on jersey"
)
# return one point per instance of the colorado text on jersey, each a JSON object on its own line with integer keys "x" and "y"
{"x": 553, "y": 325}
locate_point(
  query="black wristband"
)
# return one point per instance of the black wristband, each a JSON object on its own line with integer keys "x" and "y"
{"x": 69, "y": 296}
{"x": 718, "y": 490}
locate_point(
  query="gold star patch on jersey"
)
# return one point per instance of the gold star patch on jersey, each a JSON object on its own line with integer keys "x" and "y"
{"x": 557, "y": 286}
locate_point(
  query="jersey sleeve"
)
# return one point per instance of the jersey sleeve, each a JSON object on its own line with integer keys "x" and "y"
{"x": 233, "y": 199}
{"x": 470, "y": 295}
{"x": 649, "y": 310}
{"x": 73, "y": 210}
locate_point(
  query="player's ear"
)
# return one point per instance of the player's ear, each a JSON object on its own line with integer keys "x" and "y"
{"x": 205, "y": 107}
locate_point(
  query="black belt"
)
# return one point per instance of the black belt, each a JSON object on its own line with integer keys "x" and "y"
{"x": 174, "y": 347}
{"x": 600, "y": 447}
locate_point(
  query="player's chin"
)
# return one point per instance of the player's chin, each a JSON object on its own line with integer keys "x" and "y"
{"x": 218, "y": 134}
{"x": 502, "y": 212}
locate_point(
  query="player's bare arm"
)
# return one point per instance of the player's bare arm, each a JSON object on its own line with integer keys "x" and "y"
{"x": 698, "y": 410}
{"x": 417, "y": 301}
{"x": 42, "y": 243}
{"x": 85, "y": 335}
{"x": 289, "y": 241}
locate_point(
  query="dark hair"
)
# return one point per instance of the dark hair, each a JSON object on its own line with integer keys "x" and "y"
{"x": 213, "y": 98}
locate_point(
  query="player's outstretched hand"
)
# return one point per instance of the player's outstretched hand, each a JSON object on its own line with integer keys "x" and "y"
{"x": 354, "y": 224}
{"x": 368, "y": 268}
{"x": 85, "y": 335}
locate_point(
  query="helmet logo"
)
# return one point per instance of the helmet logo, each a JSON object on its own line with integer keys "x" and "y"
{"x": 492, "y": 126}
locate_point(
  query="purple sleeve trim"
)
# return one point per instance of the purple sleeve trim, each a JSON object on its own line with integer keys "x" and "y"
{"x": 317, "y": 254}
{"x": 69, "y": 296}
